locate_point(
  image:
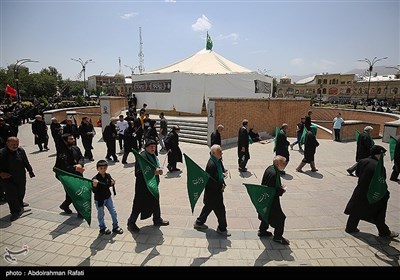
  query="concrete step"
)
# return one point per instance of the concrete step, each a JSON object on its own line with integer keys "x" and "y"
{"x": 193, "y": 141}
{"x": 192, "y": 135}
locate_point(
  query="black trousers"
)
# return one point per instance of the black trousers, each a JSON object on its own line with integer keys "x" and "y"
{"x": 15, "y": 193}
{"x": 121, "y": 141}
{"x": 337, "y": 134}
{"x": 87, "y": 145}
{"x": 136, "y": 212}
{"x": 243, "y": 159}
{"x": 111, "y": 150}
{"x": 276, "y": 219}
{"x": 395, "y": 173}
{"x": 379, "y": 222}
{"x": 218, "y": 211}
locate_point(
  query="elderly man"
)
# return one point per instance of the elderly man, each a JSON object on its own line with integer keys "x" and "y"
{"x": 359, "y": 208}
{"x": 13, "y": 166}
{"x": 213, "y": 193}
{"x": 364, "y": 144}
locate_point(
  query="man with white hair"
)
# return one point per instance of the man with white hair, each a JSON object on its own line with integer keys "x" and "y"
{"x": 364, "y": 144}
{"x": 213, "y": 193}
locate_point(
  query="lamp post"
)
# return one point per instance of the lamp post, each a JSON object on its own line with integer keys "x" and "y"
{"x": 83, "y": 69}
{"x": 16, "y": 72}
{"x": 371, "y": 67}
{"x": 132, "y": 73}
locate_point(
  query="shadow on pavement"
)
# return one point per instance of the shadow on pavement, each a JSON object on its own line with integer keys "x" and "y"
{"x": 148, "y": 237}
{"x": 385, "y": 252}
{"x": 97, "y": 245}
{"x": 175, "y": 174}
{"x": 216, "y": 244}
{"x": 66, "y": 226}
{"x": 315, "y": 175}
{"x": 287, "y": 177}
{"x": 284, "y": 253}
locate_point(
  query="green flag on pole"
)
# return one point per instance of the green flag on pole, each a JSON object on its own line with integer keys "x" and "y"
{"x": 197, "y": 180}
{"x": 209, "y": 43}
{"x": 149, "y": 174}
{"x": 357, "y": 135}
{"x": 276, "y": 138}
{"x": 377, "y": 188}
{"x": 101, "y": 93}
{"x": 392, "y": 146}
{"x": 314, "y": 129}
{"x": 303, "y": 136}
{"x": 80, "y": 191}
{"x": 261, "y": 197}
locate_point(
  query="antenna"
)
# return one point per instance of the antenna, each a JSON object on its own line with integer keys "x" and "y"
{"x": 141, "y": 55}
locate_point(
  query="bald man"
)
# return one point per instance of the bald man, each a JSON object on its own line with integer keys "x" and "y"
{"x": 13, "y": 166}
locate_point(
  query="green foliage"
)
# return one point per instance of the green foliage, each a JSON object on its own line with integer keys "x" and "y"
{"x": 43, "y": 100}
{"x": 79, "y": 99}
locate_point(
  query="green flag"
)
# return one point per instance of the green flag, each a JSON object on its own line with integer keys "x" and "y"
{"x": 101, "y": 93}
{"x": 357, "y": 135}
{"x": 148, "y": 170}
{"x": 276, "y": 138}
{"x": 209, "y": 43}
{"x": 197, "y": 180}
{"x": 377, "y": 188}
{"x": 261, "y": 197}
{"x": 303, "y": 136}
{"x": 80, "y": 191}
{"x": 314, "y": 129}
{"x": 392, "y": 146}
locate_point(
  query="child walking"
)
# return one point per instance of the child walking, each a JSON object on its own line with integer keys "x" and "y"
{"x": 102, "y": 196}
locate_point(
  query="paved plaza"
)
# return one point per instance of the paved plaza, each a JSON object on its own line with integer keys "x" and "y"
{"x": 314, "y": 204}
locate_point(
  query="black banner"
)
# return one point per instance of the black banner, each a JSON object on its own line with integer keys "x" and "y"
{"x": 262, "y": 87}
{"x": 152, "y": 86}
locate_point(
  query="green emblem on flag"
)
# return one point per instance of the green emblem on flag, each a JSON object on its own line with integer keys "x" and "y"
{"x": 392, "y": 147}
{"x": 80, "y": 191}
{"x": 197, "y": 180}
{"x": 261, "y": 197}
{"x": 148, "y": 170}
{"x": 377, "y": 188}
{"x": 209, "y": 43}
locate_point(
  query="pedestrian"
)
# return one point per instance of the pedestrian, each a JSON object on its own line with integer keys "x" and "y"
{"x": 151, "y": 133}
{"x": 144, "y": 203}
{"x": 243, "y": 146}
{"x": 87, "y": 132}
{"x": 310, "y": 147}
{"x": 396, "y": 163}
{"x": 121, "y": 125}
{"x": 216, "y": 140}
{"x": 173, "y": 150}
{"x": 109, "y": 136}
{"x": 213, "y": 194}
{"x": 358, "y": 208}
{"x": 70, "y": 160}
{"x": 56, "y": 132}
{"x": 364, "y": 145}
{"x": 130, "y": 141}
{"x": 102, "y": 183}
{"x": 71, "y": 128}
{"x": 299, "y": 132}
{"x": 337, "y": 126}
{"x": 163, "y": 130}
{"x": 282, "y": 144}
{"x": 39, "y": 129}
{"x": 13, "y": 166}
{"x": 307, "y": 119}
{"x": 271, "y": 179}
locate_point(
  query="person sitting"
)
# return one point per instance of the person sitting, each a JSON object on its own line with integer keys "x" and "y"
{"x": 254, "y": 135}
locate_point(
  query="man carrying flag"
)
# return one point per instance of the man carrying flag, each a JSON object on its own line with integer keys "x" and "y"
{"x": 69, "y": 159}
{"x": 370, "y": 197}
{"x": 273, "y": 214}
{"x": 213, "y": 194}
{"x": 364, "y": 144}
{"x": 146, "y": 201}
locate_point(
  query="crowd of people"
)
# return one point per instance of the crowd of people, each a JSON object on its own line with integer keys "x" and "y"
{"x": 139, "y": 133}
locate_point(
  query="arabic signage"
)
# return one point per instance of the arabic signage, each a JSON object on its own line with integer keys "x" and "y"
{"x": 152, "y": 86}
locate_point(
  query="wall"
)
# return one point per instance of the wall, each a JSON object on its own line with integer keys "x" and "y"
{"x": 61, "y": 114}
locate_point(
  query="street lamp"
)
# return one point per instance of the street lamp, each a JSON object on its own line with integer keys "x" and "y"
{"x": 132, "y": 69}
{"x": 16, "y": 72}
{"x": 371, "y": 67}
{"x": 83, "y": 69}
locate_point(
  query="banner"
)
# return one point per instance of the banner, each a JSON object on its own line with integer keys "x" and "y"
{"x": 197, "y": 180}
{"x": 392, "y": 147}
{"x": 148, "y": 170}
{"x": 261, "y": 197}
{"x": 303, "y": 136}
{"x": 377, "y": 188}
{"x": 10, "y": 91}
{"x": 80, "y": 191}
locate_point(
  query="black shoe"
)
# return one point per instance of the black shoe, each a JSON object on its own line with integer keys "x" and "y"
{"x": 395, "y": 180}
{"x": 264, "y": 233}
{"x": 350, "y": 231}
{"x": 14, "y": 217}
{"x": 124, "y": 162}
{"x": 25, "y": 204}
{"x": 133, "y": 227}
{"x": 350, "y": 172}
{"x": 281, "y": 240}
{"x": 116, "y": 160}
{"x": 118, "y": 230}
{"x": 91, "y": 159}
{"x": 66, "y": 209}
{"x": 161, "y": 223}
{"x": 105, "y": 231}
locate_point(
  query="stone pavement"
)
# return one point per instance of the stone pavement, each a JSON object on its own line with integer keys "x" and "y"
{"x": 313, "y": 204}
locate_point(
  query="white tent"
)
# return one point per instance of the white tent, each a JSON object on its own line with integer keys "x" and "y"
{"x": 184, "y": 85}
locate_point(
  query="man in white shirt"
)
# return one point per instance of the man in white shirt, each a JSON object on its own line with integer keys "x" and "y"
{"x": 337, "y": 126}
{"x": 121, "y": 126}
